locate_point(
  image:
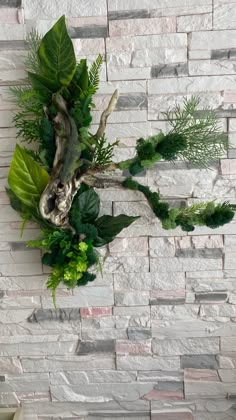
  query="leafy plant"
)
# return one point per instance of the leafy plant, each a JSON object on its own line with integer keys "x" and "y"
{"x": 26, "y": 178}
{"x": 53, "y": 183}
{"x": 103, "y": 151}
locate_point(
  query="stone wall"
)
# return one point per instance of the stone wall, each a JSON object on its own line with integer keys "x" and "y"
{"x": 155, "y": 336}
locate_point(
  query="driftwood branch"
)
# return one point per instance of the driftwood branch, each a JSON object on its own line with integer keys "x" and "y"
{"x": 66, "y": 178}
{"x": 106, "y": 113}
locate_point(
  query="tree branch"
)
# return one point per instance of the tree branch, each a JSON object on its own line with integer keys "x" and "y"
{"x": 106, "y": 113}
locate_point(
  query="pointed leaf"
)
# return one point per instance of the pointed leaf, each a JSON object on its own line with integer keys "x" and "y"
{"x": 42, "y": 85}
{"x": 89, "y": 205}
{"x": 56, "y": 54}
{"x": 110, "y": 226}
{"x": 27, "y": 179}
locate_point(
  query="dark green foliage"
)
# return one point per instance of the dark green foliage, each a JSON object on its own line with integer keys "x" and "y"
{"x": 85, "y": 208}
{"x": 88, "y": 230}
{"x": 201, "y": 130}
{"x": 135, "y": 168}
{"x": 87, "y": 277}
{"x": 80, "y": 80}
{"x": 221, "y": 215}
{"x": 145, "y": 149}
{"x": 47, "y": 147}
{"x": 171, "y": 145}
{"x": 81, "y": 112}
{"x": 88, "y": 204}
{"x": 159, "y": 208}
{"x": 131, "y": 184}
{"x": 109, "y": 226}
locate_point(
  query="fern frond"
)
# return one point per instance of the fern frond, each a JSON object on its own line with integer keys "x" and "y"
{"x": 27, "y": 99}
{"x": 94, "y": 73}
{"x": 201, "y": 129}
{"x": 32, "y": 61}
{"x": 103, "y": 151}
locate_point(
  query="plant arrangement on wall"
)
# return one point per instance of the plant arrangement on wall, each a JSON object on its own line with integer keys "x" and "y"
{"x": 53, "y": 182}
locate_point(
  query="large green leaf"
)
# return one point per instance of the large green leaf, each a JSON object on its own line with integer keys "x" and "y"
{"x": 42, "y": 85}
{"x": 89, "y": 205}
{"x": 109, "y": 226}
{"x": 85, "y": 207}
{"x": 27, "y": 179}
{"x": 56, "y": 54}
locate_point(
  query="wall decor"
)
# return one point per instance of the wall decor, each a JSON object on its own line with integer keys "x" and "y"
{"x": 53, "y": 180}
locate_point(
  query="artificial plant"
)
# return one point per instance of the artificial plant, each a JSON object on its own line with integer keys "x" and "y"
{"x": 53, "y": 182}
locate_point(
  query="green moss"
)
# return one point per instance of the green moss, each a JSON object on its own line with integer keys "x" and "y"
{"x": 222, "y": 214}
{"x": 145, "y": 149}
{"x": 171, "y": 145}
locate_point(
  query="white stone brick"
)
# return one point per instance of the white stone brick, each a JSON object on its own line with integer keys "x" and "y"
{"x": 227, "y": 375}
{"x": 157, "y": 104}
{"x": 224, "y": 13}
{"x": 199, "y": 55}
{"x": 61, "y": 363}
{"x": 132, "y": 86}
{"x": 84, "y": 297}
{"x": 191, "y": 23}
{"x": 149, "y": 41}
{"x": 221, "y": 310}
{"x": 142, "y": 26}
{"x": 212, "y": 389}
{"x": 54, "y": 9}
{"x": 163, "y": 7}
{"x": 228, "y": 166}
{"x": 83, "y": 392}
{"x": 184, "y": 264}
{"x": 209, "y": 241}
{"x": 230, "y": 261}
{"x": 191, "y": 84}
{"x": 147, "y": 363}
{"x": 186, "y": 346}
{"x": 213, "y": 40}
{"x": 114, "y": 264}
{"x": 9, "y": 32}
{"x": 211, "y": 67}
{"x": 174, "y": 312}
{"x": 193, "y": 328}
{"x": 228, "y": 344}
{"x": 19, "y": 302}
{"x": 162, "y": 247}
{"x": 117, "y": 73}
{"x": 86, "y": 46}
{"x": 129, "y": 246}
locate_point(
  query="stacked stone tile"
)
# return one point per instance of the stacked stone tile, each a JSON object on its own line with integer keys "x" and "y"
{"x": 155, "y": 336}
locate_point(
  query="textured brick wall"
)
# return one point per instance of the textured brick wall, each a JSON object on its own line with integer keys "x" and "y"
{"x": 155, "y": 337}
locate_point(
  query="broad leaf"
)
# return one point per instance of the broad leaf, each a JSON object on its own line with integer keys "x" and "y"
{"x": 110, "y": 226}
{"x": 85, "y": 208}
{"x": 89, "y": 205}
{"x": 81, "y": 77}
{"x": 42, "y": 85}
{"x": 27, "y": 179}
{"x": 56, "y": 54}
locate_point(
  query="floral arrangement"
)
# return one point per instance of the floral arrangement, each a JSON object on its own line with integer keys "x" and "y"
{"x": 52, "y": 183}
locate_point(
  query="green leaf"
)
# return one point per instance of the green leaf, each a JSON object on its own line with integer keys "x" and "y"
{"x": 81, "y": 77}
{"x": 27, "y": 179}
{"x": 109, "y": 226}
{"x": 42, "y": 85}
{"x": 89, "y": 205}
{"x": 56, "y": 55}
